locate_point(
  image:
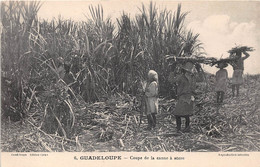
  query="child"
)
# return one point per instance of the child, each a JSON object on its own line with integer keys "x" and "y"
{"x": 151, "y": 93}
{"x": 221, "y": 81}
{"x": 185, "y": 90}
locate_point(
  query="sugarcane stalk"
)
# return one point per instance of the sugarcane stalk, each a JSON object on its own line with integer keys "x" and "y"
{"x": 204, "y": 60}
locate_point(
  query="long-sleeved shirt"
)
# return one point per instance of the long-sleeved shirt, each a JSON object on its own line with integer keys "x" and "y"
{"x": 185, "y": 83}
{"x": 151, "y": 93}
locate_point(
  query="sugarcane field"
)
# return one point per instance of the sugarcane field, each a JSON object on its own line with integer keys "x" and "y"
{"x": 140, "y": 77}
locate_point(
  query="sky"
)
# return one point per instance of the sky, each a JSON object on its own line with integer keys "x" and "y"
{"x": 221, "y": 25}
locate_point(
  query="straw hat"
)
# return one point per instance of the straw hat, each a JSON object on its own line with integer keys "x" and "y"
{"x": 188, "y": 67}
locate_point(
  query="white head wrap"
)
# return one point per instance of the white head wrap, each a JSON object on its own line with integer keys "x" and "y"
{"x": 153, "y": 75}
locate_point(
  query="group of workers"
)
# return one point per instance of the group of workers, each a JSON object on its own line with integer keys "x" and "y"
{"x": 185, "y": 81}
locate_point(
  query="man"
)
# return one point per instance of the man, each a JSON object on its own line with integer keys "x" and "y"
{"x": 185, "y": 91}
{"x": 238, "y": 67}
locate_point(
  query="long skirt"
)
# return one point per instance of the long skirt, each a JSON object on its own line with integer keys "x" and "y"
{"x": 221, "y": 85}
{"x": 151, "y": 105}
{"x": 237, "y": 78}
{"x": 184, "y": 106}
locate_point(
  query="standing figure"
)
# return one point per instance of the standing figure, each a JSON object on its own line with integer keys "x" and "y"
{"x": 185, "y": 91}
{"x": 151, "y": 94}
{"x": 221, "y": 81}
{"x": 238, "y": 67}
{"x": 69, "y": 79}
{"x": 60, "y": 68}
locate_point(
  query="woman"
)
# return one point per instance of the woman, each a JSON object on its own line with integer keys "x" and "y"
{"x": 238, "y": 67}
{"x": 151, "y": 94}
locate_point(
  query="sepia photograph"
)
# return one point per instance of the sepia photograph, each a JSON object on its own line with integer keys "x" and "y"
{"x": 127, "y": 76}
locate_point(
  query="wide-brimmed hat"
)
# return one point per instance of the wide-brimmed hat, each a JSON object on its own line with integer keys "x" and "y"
{"x": 222, "y": 65}
{"x": 188, "y": 66}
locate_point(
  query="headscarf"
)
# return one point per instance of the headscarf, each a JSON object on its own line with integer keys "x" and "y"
{"x": 153, "y": 76}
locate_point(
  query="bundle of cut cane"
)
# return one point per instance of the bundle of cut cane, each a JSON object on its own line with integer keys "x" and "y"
{"x": 193, "y": 59}
{"x": 232, "y": 52}
{"x": 241, "y": 49}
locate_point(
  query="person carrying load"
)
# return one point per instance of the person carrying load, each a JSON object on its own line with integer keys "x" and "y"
{"x": 237, "y": 62}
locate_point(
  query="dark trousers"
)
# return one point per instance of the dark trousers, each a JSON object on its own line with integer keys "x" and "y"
{"x": 178, "y": 121}
{"x": 234, "y": 88}
{"x": 151, "y": 120}
{"x": 220, "y": 96}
